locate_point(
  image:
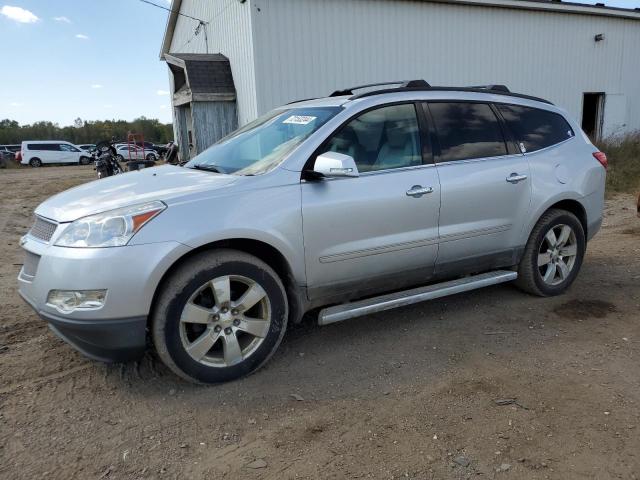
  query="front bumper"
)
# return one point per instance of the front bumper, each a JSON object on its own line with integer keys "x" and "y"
{"x": 115, "y": 340}
{"x": 130, "y": 274}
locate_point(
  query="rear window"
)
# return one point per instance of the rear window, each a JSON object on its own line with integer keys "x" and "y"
{"x": 535, "y": 128}
{"x": 467, "y": 130}
{"x": 44, "y": 146}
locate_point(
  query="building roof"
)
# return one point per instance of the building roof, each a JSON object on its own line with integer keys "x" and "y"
{"x": 557, "y": 6}
{"x": 205, "y": 73}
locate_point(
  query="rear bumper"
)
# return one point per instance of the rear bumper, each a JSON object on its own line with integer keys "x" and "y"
{"x": 112, "y": 340}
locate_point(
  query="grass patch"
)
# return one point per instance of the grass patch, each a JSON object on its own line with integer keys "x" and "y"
{"x": 623, "y": 154}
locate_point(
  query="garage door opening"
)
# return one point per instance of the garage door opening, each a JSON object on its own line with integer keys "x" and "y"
{"x": 592, "y": 114}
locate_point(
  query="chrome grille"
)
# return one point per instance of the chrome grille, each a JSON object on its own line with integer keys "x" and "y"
{"x": 43, "y": 229}
{"x": 30, "y": 265}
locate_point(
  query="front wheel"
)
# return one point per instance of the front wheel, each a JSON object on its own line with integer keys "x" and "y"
{"x": 85, "y": 161}
{"x": 151, "y": 157}
{"x": 553, "y": 255}
{"x": 35, "y": 162}
{"x": 219, "y": 317}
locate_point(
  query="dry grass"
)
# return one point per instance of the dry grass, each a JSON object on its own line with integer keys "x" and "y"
{"x": 623, "y": 154}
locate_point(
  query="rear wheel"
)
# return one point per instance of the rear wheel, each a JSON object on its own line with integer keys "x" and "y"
{"x": 35, "y": 162}
{"x": 120, "y": 158}
{"x": 219, "y": 317}
{"x": 553, "y": 255}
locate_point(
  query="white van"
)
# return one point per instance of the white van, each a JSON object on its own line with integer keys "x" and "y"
{"x": 37, "y": 153}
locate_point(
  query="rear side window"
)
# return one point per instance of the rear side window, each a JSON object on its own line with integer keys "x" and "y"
{"x": 467, "y": 130}
{"x": 535, "y": 128}
{"x": 44, "y": 147}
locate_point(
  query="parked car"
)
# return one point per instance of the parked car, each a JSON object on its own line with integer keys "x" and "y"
{"x": 89, "y": 147}
{"x": 37, "y": 153}
{"x": 355, "y": 203}
{"x": 131, "y": 152}
{"x": 12, "y": 148}
{"x": 6, "y": 156}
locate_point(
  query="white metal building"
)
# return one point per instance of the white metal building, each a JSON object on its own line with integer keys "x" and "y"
{"x": 583, "y": 58}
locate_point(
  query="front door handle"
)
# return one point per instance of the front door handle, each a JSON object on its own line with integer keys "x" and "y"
{"x": 515, "y": 178}
{"x": 418, "y": 190}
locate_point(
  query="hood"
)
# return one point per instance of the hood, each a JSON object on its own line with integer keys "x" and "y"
{"x": 166, "y": 183}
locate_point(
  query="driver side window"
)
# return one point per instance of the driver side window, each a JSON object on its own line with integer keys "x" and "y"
{"x": 381, "y": 139}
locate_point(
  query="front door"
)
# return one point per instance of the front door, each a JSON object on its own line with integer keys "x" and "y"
{"x": 376, "y": 231}
{"x": 486, "y": 188}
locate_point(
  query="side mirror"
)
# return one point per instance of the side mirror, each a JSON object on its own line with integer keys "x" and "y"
{"x": 334, "y": 164}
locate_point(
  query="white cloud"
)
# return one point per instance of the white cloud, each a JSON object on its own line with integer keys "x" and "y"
{"x": 18, "y": 14}
{"x": 162, "y": 92}
{"x": 15, "y": 104}
{"x": 82, "y": 36}
{"x": 96, "y": 85}
{"x": 62, "y": 19}
{"x": 162, "y": 107}
{"x": 107, "y": 105}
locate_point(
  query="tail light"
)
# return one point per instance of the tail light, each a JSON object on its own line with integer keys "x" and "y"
{"x": 602, "y": 158}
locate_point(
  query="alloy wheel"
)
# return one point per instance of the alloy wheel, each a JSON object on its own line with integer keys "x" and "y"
{"x": 225, "y": 321}
{"x": 557, "y": 254}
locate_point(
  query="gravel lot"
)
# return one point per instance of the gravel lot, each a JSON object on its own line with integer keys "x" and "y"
{"x": 409, "y": 393}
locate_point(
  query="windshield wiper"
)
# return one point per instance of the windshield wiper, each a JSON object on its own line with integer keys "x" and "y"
{"x": 207, "y": 168}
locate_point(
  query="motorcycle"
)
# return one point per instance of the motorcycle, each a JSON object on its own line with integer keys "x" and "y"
{"x": 105, "y": 159}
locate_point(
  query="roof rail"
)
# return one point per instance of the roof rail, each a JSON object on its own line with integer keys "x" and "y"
{"x": 400, "y": 83}
{"x": 415, "y": 85}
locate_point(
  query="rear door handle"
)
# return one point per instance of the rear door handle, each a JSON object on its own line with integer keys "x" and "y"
{"x": 418, "y": 190}
{"x": 515, "y": 178}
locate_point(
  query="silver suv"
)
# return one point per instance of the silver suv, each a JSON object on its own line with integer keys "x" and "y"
{"x": 355, "y": 203}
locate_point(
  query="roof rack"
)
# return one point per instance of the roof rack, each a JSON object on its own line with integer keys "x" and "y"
{"x": 421, "y": 85}
{"x": 415, "y": 84}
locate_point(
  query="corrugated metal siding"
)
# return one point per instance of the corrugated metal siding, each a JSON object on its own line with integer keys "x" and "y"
{"x": 307, "y": 48}
{"x": 229, "y": 33}
{"x": 213, "y": 121}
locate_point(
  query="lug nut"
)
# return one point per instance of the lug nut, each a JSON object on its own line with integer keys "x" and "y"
{"x": 234, "y": 311}
{"x": 236, "y": 322}
{"x": 216, "y": 317}
{"x": 227, "y": 331}
{"x": 217, "y": 329}
{"x": 224, "y": 310}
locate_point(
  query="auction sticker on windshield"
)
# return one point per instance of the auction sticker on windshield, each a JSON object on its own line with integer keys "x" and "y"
{"x": 299, "y": 119}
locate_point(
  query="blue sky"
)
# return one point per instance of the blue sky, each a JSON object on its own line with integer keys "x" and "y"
{"x": 94, "y": 59}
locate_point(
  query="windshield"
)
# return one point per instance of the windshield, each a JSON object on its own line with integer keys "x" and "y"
{"x": 262, "y": 144}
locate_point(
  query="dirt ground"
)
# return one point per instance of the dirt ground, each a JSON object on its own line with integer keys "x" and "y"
{"x": 421, "y": 393}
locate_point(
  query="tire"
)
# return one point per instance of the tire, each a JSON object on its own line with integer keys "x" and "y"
{"x": 205, "y": 351}
{"x": 545, "y": 270}
{"x": 120, "y": 158}
{"x": 84, "y": 161}
{"x": 35, "y": 162}
{"x": 151, "y": 157}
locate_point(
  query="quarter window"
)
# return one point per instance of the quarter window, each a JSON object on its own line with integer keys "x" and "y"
{"x": 380, "y": 139}
{"x": 535, "y": 128}
{"x": 467, "y": 130}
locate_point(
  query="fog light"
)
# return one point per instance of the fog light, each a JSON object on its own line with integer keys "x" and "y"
{"x": 66, "y": 301}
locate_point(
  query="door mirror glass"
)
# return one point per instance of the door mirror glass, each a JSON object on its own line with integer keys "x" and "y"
{"x": 334, "y": 164}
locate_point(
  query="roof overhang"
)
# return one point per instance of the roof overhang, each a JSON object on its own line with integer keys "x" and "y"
{"x": 170, "y": 28}
{"x": 200, "y": 78}
{"x": 556, "y": 6}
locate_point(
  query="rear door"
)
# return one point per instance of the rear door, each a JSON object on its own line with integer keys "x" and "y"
{"x": 375, "y": 231}
{"x": 485, "y": 185}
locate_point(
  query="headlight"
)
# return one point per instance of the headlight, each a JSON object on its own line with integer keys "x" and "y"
{"x": 109, "y": 229}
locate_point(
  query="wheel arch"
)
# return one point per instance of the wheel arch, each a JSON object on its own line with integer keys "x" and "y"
{"x": 571, "y": 205}
{"x": 258, "y": 248}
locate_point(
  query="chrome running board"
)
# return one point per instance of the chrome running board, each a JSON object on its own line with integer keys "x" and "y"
{"x": 346, "y": 311}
